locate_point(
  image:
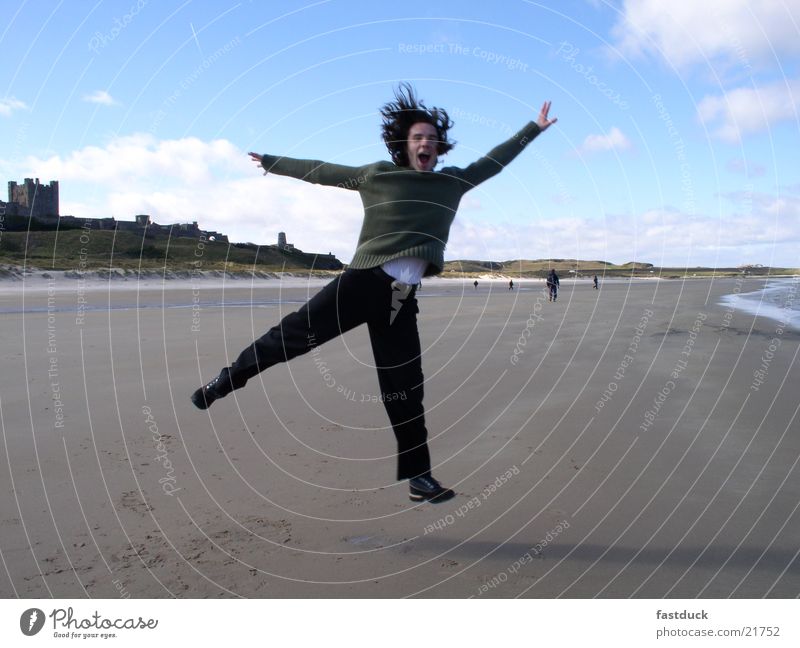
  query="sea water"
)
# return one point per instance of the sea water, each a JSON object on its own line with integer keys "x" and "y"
{"x": 779, "y": 300}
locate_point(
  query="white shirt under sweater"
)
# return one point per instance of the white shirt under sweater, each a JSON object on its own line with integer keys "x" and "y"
{"x": 409, "y": 270}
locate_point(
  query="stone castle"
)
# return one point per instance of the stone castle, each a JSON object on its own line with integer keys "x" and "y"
{"x": 36, "y": 201}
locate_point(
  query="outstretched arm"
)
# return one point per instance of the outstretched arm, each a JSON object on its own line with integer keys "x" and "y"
{"x": 315, "y": 171}
{"x": 494, "y": 162}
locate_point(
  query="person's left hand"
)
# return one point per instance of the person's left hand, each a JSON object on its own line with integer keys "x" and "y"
{"x": 543, "y": 121}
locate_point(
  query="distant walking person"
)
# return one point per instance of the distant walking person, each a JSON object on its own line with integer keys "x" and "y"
{"x": 552, "y": 285}
{"x": 408, "y": 210}
{"x": 475, "y": 284}
{"x": 595, "y": 282}
{"x": 511, "y": 285}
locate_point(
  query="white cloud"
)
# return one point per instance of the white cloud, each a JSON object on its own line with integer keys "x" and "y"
{"x": 100, "y": 97}
{"x": 136, "y": 159}
{"x": 615, "y": 139}
{"x": 9, "y": 105}
{"x": 767, "y": 234}
{"x": 750, "y": 110}
{"x": 684, "y": 33}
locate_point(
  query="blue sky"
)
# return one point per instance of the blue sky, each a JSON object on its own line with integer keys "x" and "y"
{"x": 676, "y": 143}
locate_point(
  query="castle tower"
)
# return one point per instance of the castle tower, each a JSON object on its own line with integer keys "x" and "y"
{"x": 281, "y": 240}
{"x": 34, "y": 199}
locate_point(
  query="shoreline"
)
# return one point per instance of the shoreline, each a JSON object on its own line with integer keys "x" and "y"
{"x": 777, "y": 301}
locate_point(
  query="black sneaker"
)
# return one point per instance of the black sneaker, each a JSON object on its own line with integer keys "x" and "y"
{"x": 217, "y": 388}
{"x": 426, "y": 488}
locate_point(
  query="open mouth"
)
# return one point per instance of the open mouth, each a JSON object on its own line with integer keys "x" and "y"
{"x": 424, "y": 158}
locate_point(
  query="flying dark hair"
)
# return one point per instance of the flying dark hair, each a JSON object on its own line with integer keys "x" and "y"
{"x": 405, "y": 111}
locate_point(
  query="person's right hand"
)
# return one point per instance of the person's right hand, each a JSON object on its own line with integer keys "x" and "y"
{"x": 258, "y": 159}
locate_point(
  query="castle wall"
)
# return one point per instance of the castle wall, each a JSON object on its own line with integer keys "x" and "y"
{"x": 33, "y": 199}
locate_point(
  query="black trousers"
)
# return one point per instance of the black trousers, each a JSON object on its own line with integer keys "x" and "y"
{"x": 390, "y": 311}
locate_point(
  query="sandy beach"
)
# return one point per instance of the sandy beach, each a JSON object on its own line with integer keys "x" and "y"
{"x": 640, "y": 440}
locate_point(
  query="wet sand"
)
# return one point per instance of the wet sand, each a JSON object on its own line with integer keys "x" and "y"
{"x": 636, "y": 441}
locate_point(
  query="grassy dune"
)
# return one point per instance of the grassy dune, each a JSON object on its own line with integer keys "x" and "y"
{"x": 566, "y": 268}
{"x": 95, "y": 249}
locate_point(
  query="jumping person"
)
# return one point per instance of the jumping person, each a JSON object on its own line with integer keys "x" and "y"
{"x": 408, "y": 211}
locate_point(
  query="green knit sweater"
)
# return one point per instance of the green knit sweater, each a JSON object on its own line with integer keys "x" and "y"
{"x": 407, "y": 213}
